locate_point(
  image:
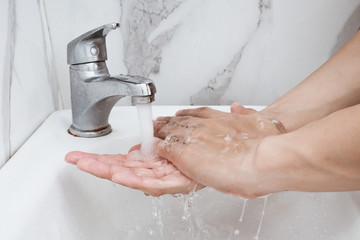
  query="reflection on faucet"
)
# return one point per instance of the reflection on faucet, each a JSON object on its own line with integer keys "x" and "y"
{"x": 93, "y": 91}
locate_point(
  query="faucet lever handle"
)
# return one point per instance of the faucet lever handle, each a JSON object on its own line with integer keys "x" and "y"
{"x": 91, "y": 46}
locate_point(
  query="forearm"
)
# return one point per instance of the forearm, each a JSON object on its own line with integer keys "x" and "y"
{"x": 322, "y": 156}
{"x": 334, "y": 86}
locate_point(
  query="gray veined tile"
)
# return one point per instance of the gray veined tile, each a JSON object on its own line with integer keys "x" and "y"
{"x": 53, "y": 78}
{"x": 213, "y": 92}
{"x": 139, "y": 19}
{"x": 217, "y": 87}
{"x": 7, "y": 77}
{"x": 31, "y": 99}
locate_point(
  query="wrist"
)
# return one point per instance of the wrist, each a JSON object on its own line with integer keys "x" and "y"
{"x": 272, "y": 164}
{"x": 295, "y": 116}
{"x": 282, "y": 116}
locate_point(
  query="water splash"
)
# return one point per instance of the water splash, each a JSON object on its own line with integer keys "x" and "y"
{"x": 190, "y": 214}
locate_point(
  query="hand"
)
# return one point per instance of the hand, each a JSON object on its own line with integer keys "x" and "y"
{"x": 218, "y": 149}
{"x": 240, "y": 109}
{"x": 155, "y": 176}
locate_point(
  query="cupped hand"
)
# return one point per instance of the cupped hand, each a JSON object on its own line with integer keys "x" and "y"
{"x": 218, "y": 149}
{"x": 155, "y": 176}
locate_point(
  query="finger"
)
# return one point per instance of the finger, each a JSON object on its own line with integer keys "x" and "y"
{"x": 136, "y": 147}
{"x": 158, "y": 172}
{"x": 106, "y": 171}
{"x": 170, "y": 149}
{"x": 203, "y": 112}
{"x": 160, "y": 122}
{"x": 136, "y": 159}
{"x": 133, "y": 159}
{"x": 171, "y": 184}
{"x": 96, "y": 168}
{"x": 175, "y": 123}
{"x": 136, "y": 163}
{"x": 200, "y": 130}
{"x": 240, "y": 109}
{"x": 171, "y": 131}
{"x": 74, "y": 157}
{"x": 164, "y": 170}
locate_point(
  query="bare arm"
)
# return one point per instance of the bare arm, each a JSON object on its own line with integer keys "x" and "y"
{"x": 322, "y": 156}
{"x": 334, "y": 86}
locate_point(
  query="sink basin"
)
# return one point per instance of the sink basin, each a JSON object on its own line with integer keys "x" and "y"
{"x": 42, "y": 197}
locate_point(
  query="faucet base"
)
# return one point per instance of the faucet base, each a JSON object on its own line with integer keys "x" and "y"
{"x": 89, "y": 133}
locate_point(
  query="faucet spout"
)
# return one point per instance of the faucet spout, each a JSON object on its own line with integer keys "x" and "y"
{"x": 94, "y": 93}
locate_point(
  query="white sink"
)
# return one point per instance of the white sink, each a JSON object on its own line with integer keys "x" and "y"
{"x": 42, "y": 197}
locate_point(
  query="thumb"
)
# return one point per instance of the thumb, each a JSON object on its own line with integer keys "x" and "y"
{"x": 240, "y": 109}
{"x": 136, "y": 147}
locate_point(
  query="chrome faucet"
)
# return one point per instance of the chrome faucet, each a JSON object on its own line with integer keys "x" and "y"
{"x": 93, "y": 91}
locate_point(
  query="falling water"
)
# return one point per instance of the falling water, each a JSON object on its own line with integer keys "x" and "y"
{"x": 157, "y": 205}
{"x": 262, "y": 218}
{"x": 243, "y": 211}
{"x": 147, "y": 136}
{"x": 146, "y": 126}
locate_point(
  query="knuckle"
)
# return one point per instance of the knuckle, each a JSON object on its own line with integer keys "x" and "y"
{"x": 203, "y": 109}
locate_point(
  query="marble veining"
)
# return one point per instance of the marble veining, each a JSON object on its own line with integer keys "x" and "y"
{"x": 28, "y": 76}
{"x": 218, "y": 85}
{"x": 7, "y": 81}
{"x": 51, "y": 61}
{"x": 138, "y": 19}
{"x": 264, "y": 5}
{"x": 216, "y": 88}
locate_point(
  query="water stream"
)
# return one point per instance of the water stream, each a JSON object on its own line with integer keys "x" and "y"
{"x": 146, "y": 127}
{"x": 243, "y": 210}
{"x": 262, "y": 218}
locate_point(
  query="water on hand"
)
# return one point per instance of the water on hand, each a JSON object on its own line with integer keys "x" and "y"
{"x": 146, "y": 127}
{"x": 146, "y": 152}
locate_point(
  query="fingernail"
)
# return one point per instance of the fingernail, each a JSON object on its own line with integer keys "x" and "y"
{"x": 179, "y": 112}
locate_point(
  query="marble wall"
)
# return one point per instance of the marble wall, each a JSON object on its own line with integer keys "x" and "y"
{"x": 197, "y": 51}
